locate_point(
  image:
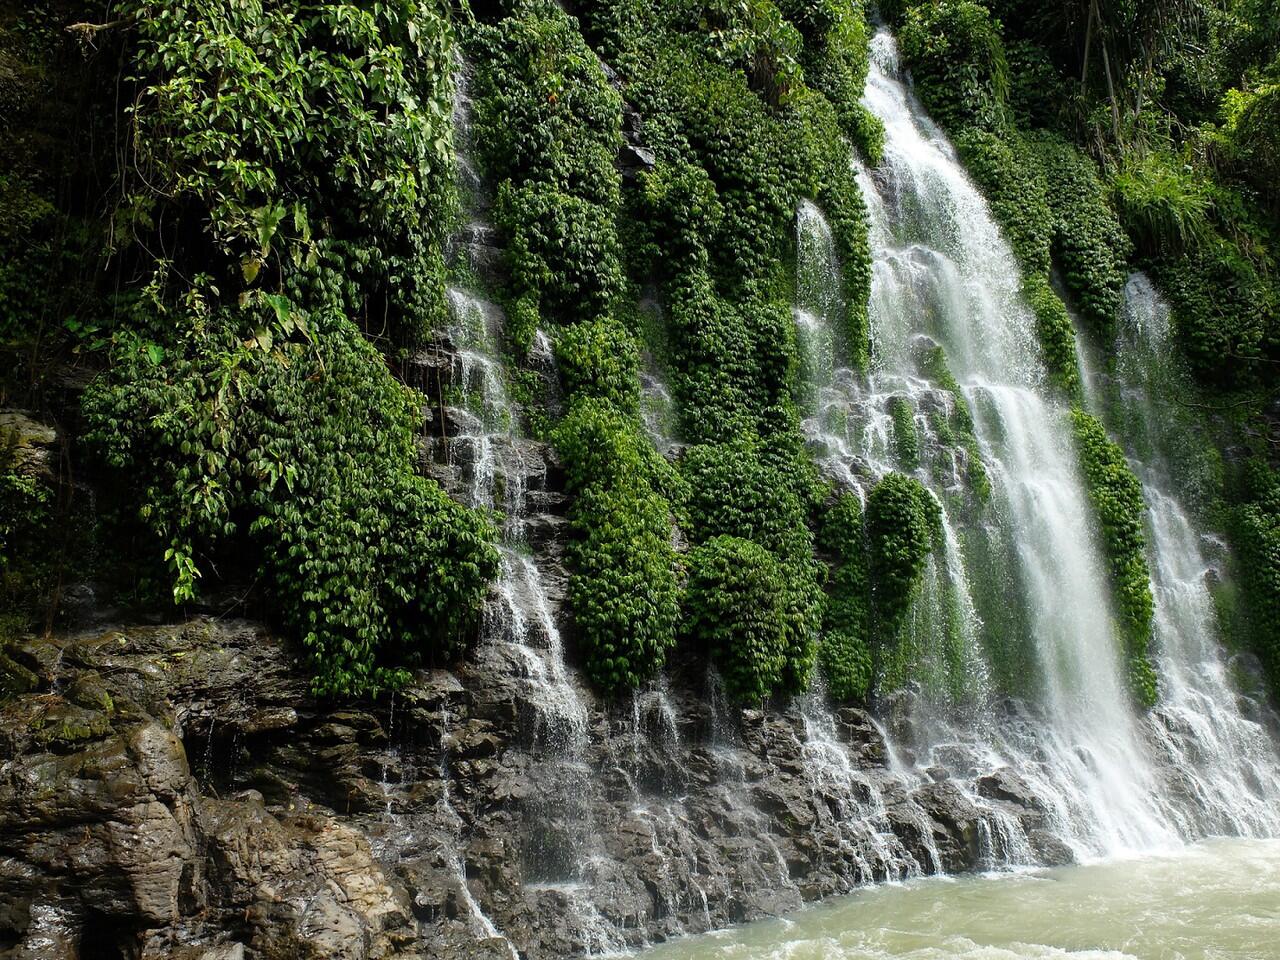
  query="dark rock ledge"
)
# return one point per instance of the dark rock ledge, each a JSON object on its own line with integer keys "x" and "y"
{"x": 175, "y": 792}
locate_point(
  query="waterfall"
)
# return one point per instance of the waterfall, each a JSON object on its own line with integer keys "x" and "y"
{"x": 957, "y": 396}
{"x": 943, "y": 277}
{"x": 1222, "y": 761}
{"x": 493, "y": 466}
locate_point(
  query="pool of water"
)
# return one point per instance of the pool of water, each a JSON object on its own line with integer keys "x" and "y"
{"x": 1218, "y": 900}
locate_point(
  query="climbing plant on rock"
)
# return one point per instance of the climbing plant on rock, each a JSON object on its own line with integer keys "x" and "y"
{"x": 844, "y": 652}
{"x": 1116, "y": 495}
{"x": 293, "y": 165}
{"x": 736, "y": 611}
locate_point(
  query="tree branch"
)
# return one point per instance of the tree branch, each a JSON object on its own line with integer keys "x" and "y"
{"x": 85, "y": 32}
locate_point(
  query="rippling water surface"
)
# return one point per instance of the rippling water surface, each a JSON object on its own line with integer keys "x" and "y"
{"x": 1218, "y": 900}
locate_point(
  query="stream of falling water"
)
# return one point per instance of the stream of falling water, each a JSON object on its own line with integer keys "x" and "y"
{"x": 1223, "y": 764}
{"x": 499, "y": 470}
{"x": 944, "y": 279}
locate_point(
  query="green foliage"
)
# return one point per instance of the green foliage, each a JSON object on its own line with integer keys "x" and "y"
{"x": 1255, "y": 530}
{"x": 294, "y": 165}
{"x": 623, "y": 588}
{"x": 562, "y": 250}
{"x": 835, "y": 59}
{"x": 735, "y": 603}
{"x": 1116, "y": 495}
{"x": 295, "y": 434}
{"x": 844, "y": 653}
{"x": 745, "y": 491}
{"x": 1012, "y": 181}
{"x": 292, "y": 137}
{"x": 903, "y": 526}
{"x": 1225, "y": 313}
{"x": 737, "y": 489}
{"x": 1088, "y": 242}
{"x": 958, "y": 63}
{"x": 545, "y": 111}
{"x": 598, "y": 358}
{"x": 1056, "y": 335}
{"x": 1251, "y": 134}
{"x": 714, "y": 223}
{"x": 1164, "y": 207}
{"x": 548, "y": 128}
{"x": 906, "y": 442}
{"x": 752, "y": 36}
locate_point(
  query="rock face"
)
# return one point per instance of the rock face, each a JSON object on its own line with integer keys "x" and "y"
{"x": 175, "y": 792}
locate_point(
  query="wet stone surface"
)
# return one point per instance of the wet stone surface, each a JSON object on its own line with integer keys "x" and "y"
{"x": 176, "y": 791}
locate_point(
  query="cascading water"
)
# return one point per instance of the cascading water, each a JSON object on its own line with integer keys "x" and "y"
{"x": 1222, "y": 762}
{"x": 957, "y": 397}
{"x": 500, "y": 470}
{"x": 944, "y": 278}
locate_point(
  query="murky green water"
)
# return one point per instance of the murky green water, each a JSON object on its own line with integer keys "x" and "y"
{"x": 1218, "y": 900}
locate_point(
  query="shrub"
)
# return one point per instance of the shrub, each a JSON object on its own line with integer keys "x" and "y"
{"x": 844, "y": 652}
{"x": 1165, "y": 209}
{"x": 735, "y": 610}
{"x": 303, "y": 441}
{"x": 1224, "y": 313}
{"x": 548, "y": 124}
{"x": 734, "y": 490}
{"x": 906, "y": 442}
{"x": 1255, "y": 529}
{"x": 266, "y": 130}
{"x": 562, "y": 250}
{"x": 1054, "y": 331}
{"x": 1088, "y": 241}
{"x": 623, "y": 587}
{"x": 295, "y": 168}
{"x": 903, "y": 525}
{"x": 598, "y": 358}
{"x": 545, "y": 112}
{"x": 1251, "y": 134}
{"x": 1116, "y": 496}
{"x": 1014, "y": 185}
{"x": 958, "y": 63}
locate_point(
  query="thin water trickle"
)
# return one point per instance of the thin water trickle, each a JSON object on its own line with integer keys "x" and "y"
{"x": 519, "y": 625}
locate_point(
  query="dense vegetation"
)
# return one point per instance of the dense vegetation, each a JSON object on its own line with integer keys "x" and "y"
{"x": 213, "y": 266}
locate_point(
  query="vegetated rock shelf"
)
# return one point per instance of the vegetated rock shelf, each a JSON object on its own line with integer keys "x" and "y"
{"x": 177, "y": 791}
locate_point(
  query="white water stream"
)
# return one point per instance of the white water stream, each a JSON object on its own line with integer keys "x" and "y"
{"x": 944, "y": 277}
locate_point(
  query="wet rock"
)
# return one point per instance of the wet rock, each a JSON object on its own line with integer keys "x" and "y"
{"x": 1005, "y": 784}
{"x": 1049, "y": 849}
{"x": 176, "y": 786}
{"x": 307, "y": 884}
{"x": 33, "y": 443}
{"x": 954, "y": 824}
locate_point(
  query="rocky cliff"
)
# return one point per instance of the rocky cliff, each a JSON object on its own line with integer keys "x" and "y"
{"x": 174, "y": 792}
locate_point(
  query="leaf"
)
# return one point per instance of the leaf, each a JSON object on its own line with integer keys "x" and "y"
{"x": 155, "y": 353}
{"x": 250, "y": 266}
